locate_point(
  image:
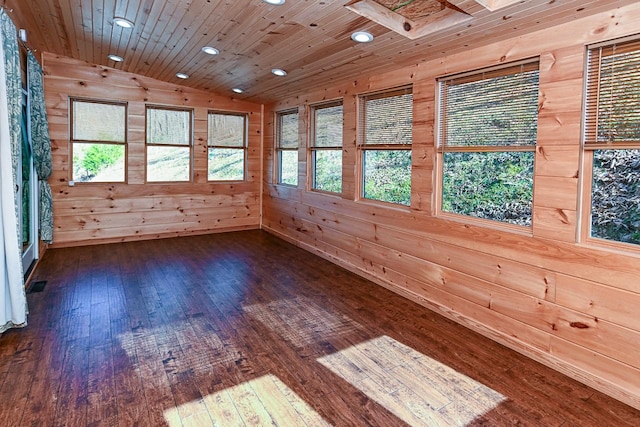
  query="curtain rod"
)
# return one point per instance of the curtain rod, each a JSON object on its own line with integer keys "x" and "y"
{"x": 23, "y": 43}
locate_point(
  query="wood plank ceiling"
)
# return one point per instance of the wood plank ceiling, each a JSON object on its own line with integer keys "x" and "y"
{"x": 309, "y": 39}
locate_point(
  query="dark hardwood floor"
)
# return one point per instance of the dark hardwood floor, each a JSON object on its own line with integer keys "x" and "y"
{"x": 245, "y": 329}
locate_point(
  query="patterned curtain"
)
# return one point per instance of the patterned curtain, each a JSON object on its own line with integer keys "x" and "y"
{"x": 13, "y": 302}
{"x": 41, "y": 145}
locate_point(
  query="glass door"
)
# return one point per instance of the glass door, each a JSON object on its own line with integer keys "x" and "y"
{"x": 28, "y": 194}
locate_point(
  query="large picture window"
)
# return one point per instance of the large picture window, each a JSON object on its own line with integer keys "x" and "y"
{"x": 612, "y": 141}
{"x": 98, "y": 141}
{"x": 326, "y": 147}
{"x": 386, "y": 133}
{"x": 488, "y": 124}
{"x": 287, "y": 142}
{"x": 169, "y": 142}
{"x": 227, "y": 142}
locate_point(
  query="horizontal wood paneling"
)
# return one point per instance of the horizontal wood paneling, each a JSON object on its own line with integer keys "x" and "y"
{"x": 95, "y": 213}
{"x": 570, "y": 305}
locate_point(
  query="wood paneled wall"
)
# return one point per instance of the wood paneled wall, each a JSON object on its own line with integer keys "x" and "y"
{"x": 571, "y": 305}
{"x": 89, "y": 213}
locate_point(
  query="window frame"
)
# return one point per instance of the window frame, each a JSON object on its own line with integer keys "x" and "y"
{"x": 73, "y": 140}
{"x": 314, "y": 149}
{"x": 442, "y": 148}
{"x": 244, "y": 148}
{"x": 279, "y": 149}
{"x": 363, "y": 147}
{"x": 590, "y": 146}
{"x": 147, "y": 144}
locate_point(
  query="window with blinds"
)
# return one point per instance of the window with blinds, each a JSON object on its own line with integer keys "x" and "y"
{"x": 326, "y": 147}
{"x": 612, "y": 141}
{"x": 169, "y": 139}
{"x": 98, "y": 141}
{"x": 386, "y": 132}
{"x": 227, "y": 146}
{"x": 488, "y": 121}
{"x": 287, "y": 141}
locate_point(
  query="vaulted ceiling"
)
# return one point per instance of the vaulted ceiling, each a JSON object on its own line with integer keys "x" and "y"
{"x": 310, "y": 39}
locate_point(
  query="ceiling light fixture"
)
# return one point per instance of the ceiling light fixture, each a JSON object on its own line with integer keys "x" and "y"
{"x": 182, "y": 75}
{"x": 279, "y": 72}
{"x": 237, "y": 90}
{"x": 274, "y": 2}
{"x": 210, "y": 50}
{"x": 122, "y": 22}
{"x": 115, "y": 57}
{"x": 362, "y": 37}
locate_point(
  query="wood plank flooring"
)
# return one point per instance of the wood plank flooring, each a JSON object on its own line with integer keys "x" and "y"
{"x": 243, "y": 329}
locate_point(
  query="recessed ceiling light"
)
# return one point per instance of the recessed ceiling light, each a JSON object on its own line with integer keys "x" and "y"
{"x": 237, "y": 90}
{"x": 210, "y": 50}
{"x": 279, "y": 72}
{"x": 361, "y": 37}
{"x": 275, "y": 2}
{"x": 182, "y": 75}
{"x": 122, "y": 22}
{"x": 115, "y": 58}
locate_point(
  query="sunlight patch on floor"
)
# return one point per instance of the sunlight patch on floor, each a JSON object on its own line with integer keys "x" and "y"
{"x": 416, "y": 388}
{"x": 301, "y": 321}
{"x": 260, "y": 402}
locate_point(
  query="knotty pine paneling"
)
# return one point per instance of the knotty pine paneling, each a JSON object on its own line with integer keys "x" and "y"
{"x": 96, "y": 213}
{"x": 570, "y": 305}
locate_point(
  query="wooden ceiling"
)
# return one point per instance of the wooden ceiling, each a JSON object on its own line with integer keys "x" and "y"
{"x": 310, "y": 39}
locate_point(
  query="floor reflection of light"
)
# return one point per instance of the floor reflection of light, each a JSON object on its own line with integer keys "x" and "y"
{"x": 262, "y": 401}
{"x": 301, "y": 321}
{"x": 416, "y": 388}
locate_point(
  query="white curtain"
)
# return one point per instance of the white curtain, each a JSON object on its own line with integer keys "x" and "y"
{"x": 13, "y": 305}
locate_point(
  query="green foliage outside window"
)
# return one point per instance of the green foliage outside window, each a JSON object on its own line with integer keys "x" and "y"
{"x": 328, "y": 170}
{"x": 615, "y": 199}
{"x": 387, "y": 176}
{"x": 496, "y": 186}
{"x": 98, "y": 162}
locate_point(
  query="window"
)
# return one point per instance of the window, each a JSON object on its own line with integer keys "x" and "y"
{"x": 168, "y": 144}
{"x": 487, "y": 136}
{"x": 287, "y": 147}
{"x": 386, "y": 133}
{"x": 612, "y": 141}
{"x": 326, "y": 147}
{"x": 98, "y": 141}
{"x": 227, "y": 141}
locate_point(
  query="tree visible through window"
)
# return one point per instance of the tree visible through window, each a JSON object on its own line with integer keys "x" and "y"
{"x": 168, "y": 144}
{"x": 612, "y": 140}
{"x": 287, "y": 147}
{"x": 326, "y": 148}
{"x": 386, "y": 133}
{"x": 488, "y": 132}
{"x": 227, "y": 143}
{"x": 98, "y": 141}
